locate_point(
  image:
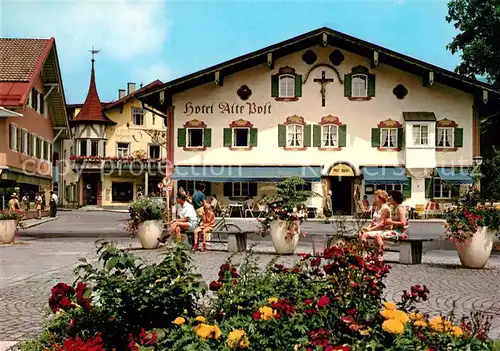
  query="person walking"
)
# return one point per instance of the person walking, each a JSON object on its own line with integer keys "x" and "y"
{"x": 14, "y": 203}
{"x": 26, "y": 202}
{"x": 38, "y": 204}
{"x": 53, "y": 204}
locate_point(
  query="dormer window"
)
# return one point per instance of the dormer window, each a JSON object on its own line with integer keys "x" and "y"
{"x": 286, "y": 85}
{"x": 359, "y": 85}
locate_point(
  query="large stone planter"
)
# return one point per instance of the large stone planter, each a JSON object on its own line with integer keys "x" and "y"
{"x": 7, "y": 231}
{"x": 282, "y": 245}
{"x": 149, "y": 232}
{"x": 475, "y": 254}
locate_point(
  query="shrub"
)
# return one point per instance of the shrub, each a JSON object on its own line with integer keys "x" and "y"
{"x": 144, "y": 209}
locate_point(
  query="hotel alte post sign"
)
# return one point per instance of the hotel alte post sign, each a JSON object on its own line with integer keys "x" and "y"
{"x": 341, "y": 170}
{"x": 247, "y": 108}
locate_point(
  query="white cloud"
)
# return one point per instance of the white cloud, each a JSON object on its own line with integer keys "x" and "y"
{"x": 121, "y": 29}
{"x": 152, "y": 72}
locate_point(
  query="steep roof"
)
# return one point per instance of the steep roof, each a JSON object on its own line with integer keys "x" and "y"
{"x": 307, "y": 40}
{"x": 22, "y": 61}
{"x": 92, "y": 110}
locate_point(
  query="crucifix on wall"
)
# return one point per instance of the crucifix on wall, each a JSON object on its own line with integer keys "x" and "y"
{"x": 323, "y": 81}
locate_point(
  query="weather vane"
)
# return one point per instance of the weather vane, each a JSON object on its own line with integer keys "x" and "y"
{"x": 94, "y": 52}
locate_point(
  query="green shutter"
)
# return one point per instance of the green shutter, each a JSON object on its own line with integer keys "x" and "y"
{"x": 375, "y": 137}
{"x": 342, "y": 135}
{"x": 347, "y": 85}
{"x": 298, "y": 85}
{"x": 228, "y": 137}
{"x": 400, "y": 138}
{"x": 253, "y": 137}
{"x": 181, "y": 137}
{"x": 281, "y": 135}
{"x": 428, "y": 188}
{"x": 207, "y": 137}
{"x": 407, "y": 189}
{"x": 274, "y": 86}
{"x": 317, "y": 135}
{"x": 459, "y": 137}
{"x": 371, "y": 85}
{"x": 307, "y": 135}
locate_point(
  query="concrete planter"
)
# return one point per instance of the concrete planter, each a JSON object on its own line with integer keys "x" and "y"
{"x": 7, "y": 231}
{"x": 282, "y": 245}
{"x": 475, "y": 254}
{"x": 149, "y": 232}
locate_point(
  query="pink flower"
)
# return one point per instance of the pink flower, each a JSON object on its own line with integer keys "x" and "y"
{"x": 323, "y": 301}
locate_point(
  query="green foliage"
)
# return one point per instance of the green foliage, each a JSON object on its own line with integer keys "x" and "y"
{"x": 143, "y": 209}
{"x": 478, "y": 24}
{"x": 490, "y": 182}
{"x": 9, "y": 215}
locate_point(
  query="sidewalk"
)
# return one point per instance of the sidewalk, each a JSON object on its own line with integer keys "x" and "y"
{"x": 29, "y": 223}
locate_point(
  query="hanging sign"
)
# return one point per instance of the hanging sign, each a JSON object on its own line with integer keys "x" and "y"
{"x": 166, "y": 181}
{"x": 341, "y": 170}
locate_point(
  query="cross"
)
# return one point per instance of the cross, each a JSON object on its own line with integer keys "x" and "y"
{"x": 94, "y": 52}
{"x": 323, "y": 81}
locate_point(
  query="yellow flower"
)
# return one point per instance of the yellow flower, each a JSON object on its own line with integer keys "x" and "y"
{"x": 200, "y": 319}
{"x": 216, "y": 332}
{"x": 457, "y": 331}
{"x": 272, "y": 300}
{"x": 179, "y": 321}
{"x": 393, "y": 326}
{"x": 389, "y": 305}
{"x": 415, "y": 316}
{"x": 237, "y": 339}
{"x": 440, "y": 324}
{"x": 400, "y": 316}
{"x": 420, "y": 323}
{"x": 203, "y": 330}
{"x": 364, "y": 332}
{"x": 387, "y": 314}
{"x": 266, "y": 313}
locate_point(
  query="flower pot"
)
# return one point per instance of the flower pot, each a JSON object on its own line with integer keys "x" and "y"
{"x": 283, "y": 243}
{"x": 149, "y": 232}
{"x": 475, "y": 253}
{"x": 7, "y": 230}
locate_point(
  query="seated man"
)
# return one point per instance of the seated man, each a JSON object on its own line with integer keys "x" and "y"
{"x": 187, "y": 221}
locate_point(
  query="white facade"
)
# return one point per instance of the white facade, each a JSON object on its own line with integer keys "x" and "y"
{"x": 219, "y": 106}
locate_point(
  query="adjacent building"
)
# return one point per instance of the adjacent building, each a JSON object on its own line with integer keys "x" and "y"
{"x": 32, "y": 116}
{"x": 117, "y": 151}
{"x": 344, "y": 114}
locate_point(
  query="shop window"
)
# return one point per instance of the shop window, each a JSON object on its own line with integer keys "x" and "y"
{"x": 122, "y": 192}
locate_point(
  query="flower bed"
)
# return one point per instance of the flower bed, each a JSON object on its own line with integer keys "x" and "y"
{"x": 332, "y": 302}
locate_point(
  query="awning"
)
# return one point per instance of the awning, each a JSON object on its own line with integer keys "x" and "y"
{"x": 455, "y": 175}
{"x": 245, "y": 173}
{"x": 385, "y": 175}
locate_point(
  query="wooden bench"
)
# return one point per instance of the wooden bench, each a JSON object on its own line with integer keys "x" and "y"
{"x": 236, "y": 240}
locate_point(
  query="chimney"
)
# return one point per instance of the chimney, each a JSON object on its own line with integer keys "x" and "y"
{"x": 130, "y": 88}
{"x": 121, "y": 93}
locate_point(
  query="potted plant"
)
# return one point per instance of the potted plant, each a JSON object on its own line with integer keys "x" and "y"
{"x": 9, "y": 221}
{"x": 285, "y": 213}
{"x": 146, "y": 220}
{"x": 473, "y": 228}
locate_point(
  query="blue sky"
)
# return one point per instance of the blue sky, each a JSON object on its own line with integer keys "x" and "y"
{"x": 144, "y": 40}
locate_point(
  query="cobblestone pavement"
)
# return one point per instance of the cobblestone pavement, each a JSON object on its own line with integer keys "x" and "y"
{"x": 30, "y": 268}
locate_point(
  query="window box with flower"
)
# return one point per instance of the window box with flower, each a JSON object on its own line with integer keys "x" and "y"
{"x": 285, "y": 212}
{"x": 472, "y": 227}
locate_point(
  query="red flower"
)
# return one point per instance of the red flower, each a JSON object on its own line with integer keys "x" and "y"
{"x": 256, "y": 316}
{"x": 354, "y": 284}
{"x": 215, "y": 285}
{"x": 323, "y": 301}
{"x": 315, "y": 262}
{"x": 347, "y": 319}
{"x": 235, "y": 281}
{"x": 308, "y": 302}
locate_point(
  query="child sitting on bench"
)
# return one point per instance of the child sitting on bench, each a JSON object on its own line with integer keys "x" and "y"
{"x": 207, "y": 225}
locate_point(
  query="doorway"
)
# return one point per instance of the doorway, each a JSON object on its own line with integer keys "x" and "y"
{"x": 90, "y": 188}
{"x": 342, "y": 194}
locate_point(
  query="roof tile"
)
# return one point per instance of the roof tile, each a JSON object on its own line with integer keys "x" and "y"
{"x": 19, "y": 58}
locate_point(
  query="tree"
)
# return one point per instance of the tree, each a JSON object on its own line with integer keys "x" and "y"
{"x": 490, "y": 182}
{"x": 478, "y": 23}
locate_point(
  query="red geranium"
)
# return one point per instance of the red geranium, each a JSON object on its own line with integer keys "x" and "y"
{"x": 323, "y": 301}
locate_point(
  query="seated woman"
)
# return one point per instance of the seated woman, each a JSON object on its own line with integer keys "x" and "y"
{"x": 206, "y": 226}
{"x": 399, "y": 219}
{"x": 377, "y": 226}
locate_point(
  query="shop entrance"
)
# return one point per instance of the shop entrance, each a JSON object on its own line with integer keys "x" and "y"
{"x": 91, "y": 182}
{"x": 341, "y": 178}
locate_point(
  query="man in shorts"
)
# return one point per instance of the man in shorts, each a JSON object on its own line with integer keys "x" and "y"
{"x": 187, "y": 221}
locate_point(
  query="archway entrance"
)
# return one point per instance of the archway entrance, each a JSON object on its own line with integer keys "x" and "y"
{"x": 341, "y": 178}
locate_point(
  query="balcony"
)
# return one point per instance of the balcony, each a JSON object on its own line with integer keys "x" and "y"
{"x": 109, "y": 165}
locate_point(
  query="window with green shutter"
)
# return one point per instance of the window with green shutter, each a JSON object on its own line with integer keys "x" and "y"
{"x": 375, "y": 137}
{"x": 207, "y": 137}
{"x": 307, "y": 135}
{"x": 181, "y": 137}
{"x": 407, "y": 189}
{"x": 459, "y": 137}
{"x": 286, "y": 85}
{"x": 428, "y": 188}
{"x": 330, "y": 134}
{"x": 360, "y": 84}
{"x": 389, "y": 135}
{"x": 448, "y": 136}
{"x": 298, "y": 85}
{"x": 317, "y": 135}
